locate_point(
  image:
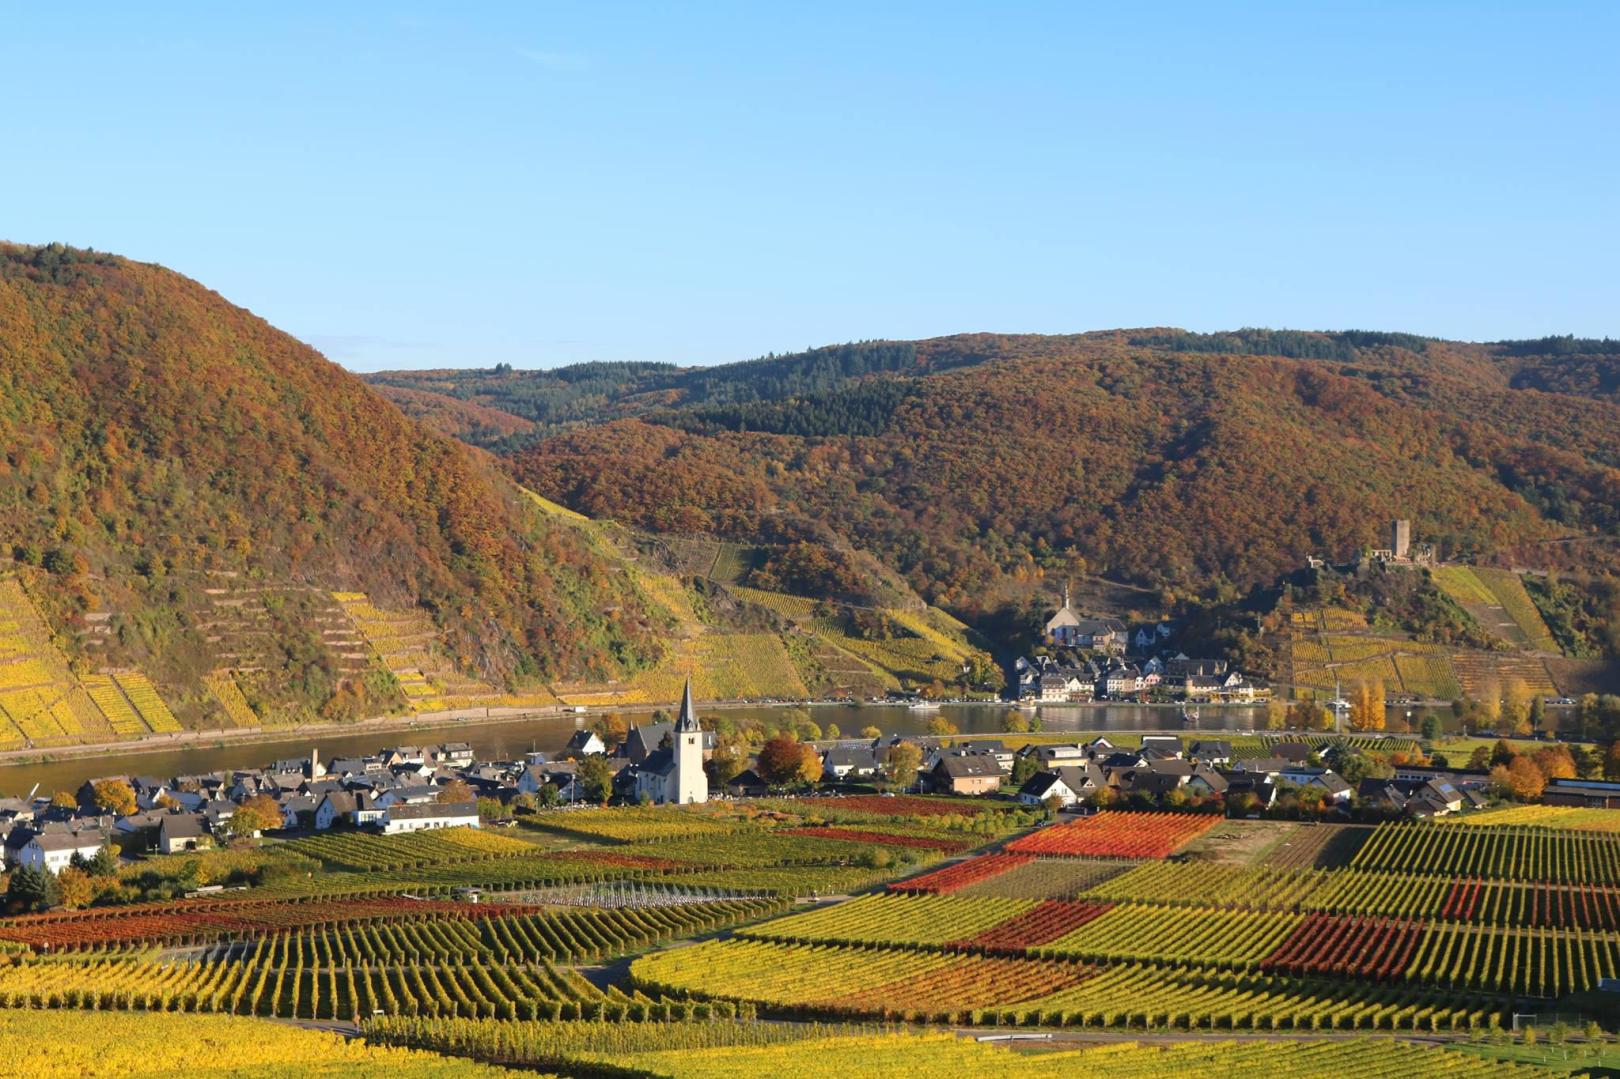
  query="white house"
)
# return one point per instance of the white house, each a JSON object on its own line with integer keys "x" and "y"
{"x": 55, "y": 850}
{"x": 416, "y": 818}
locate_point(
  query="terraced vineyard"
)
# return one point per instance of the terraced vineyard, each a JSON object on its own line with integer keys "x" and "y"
{"x": 223, "y": 685}
{"x": 408, "y": 645}
{"x": 41, "y": 702}
{"x": 1319, "y": 661}
{"x": 1497, "y": 600}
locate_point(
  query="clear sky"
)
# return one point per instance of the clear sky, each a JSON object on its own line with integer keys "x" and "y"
{"x": 457, "y": 184}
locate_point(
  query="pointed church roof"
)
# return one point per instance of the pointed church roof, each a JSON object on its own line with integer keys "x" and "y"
{"x": 687, "y": 720}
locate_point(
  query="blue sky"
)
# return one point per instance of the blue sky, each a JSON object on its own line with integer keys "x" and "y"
{"x": 410, "y": 185}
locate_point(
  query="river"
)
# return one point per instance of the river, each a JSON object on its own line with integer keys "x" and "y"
{"x": 508, "y": 739}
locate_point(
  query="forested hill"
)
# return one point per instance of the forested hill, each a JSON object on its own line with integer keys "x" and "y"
{"x": 184, "y": 488}
{"x": 1157, "y": 456}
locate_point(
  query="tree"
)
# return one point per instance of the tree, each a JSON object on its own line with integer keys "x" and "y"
{"x": 1014, "y": 722}
{"x": 728, "y": 761}
{"x": 1367, "y": 706}
{"x": 981, "y": 670}
{"x": 114, "y": 796}
{"x": 74, "y": 888}
{"x": 105, "y": 862}
{"x": 548, "y": 795}
{"x": 780, "y": 761}
{"x": 31, "y": 889}
{"x": 810, "y": 767}
{"x": 1520, "y": 780}
{"x": 904, "y": 760}
{"x": 1538, "y": 713}
{"x": 1276, "y": 714}
{"x": 455, "y": 792}
{"x": 1431, "y": 728}
{"x": 871, "y": 732}
{"x": 833, "y": 732}
{"x": 258, "y": 814}
{"x": 1516, "y": 707}
{"x": 612, "y": 728}
{"x": 1024, "y": 768}
{"x": 1554, "y": 762}
{"x": 64, "y": 800}
{"x": 1490, "y": 704}
{"x": 596, "y": 778}
{"x": 940, "y": 727}
{"x": 1502, "y": 753}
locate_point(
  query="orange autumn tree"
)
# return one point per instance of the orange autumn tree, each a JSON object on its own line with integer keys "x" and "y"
{"x": 1367, "y": 706}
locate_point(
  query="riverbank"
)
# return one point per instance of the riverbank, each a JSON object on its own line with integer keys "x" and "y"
{"x": 163, "y": 743}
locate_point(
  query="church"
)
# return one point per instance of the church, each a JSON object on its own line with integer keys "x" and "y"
{"x": 673, "y": 773}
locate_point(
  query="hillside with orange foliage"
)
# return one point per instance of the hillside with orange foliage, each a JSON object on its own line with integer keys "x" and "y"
{"x": 165, "y": 451}
{"x": 1158, "y": 457}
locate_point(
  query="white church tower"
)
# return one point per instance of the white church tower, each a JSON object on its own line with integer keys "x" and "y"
{"x": 691, "y": 782}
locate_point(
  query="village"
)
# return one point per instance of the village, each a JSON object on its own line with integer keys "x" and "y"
{"x": 408, "y": 788}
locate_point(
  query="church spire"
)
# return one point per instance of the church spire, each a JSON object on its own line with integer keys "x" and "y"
{"x": 687, "y": 720}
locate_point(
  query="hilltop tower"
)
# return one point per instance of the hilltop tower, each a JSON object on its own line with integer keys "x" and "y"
{"x": 691, "y": 782}
{"x": 1401, "y": 538}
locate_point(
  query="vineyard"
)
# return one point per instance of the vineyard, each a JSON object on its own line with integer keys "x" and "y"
{"x": 408, "y": 645}
{"x": 1117, "y": 835}
{"x": 45, "y": 1045}
{"x": 1511, "y": 852}
{"x": 451, "y": 959}
{"x": 1497, "y": 600}
{"x": 1114, "y": 921}
{"x": 43, "y": 703}
{"x": 1575, "y": 818}
{"x": 722, "y": 1050}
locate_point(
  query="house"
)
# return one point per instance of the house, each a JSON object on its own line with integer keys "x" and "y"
{"x": 1582, "y": 792}
{"x": 1067, "y": 785}
{"x": 843, "y": 761}
{"x": 1120, "y": 681}
{"x": 404, "y": 756}
{"x": 1055, "y": 687}
{"x": 996, "y": 748}
{"x": 298, "y": 811}
{"x": 968, "y": 773}
{"x": 416, "y": 818}
{"x": 1217, "y": 752}
{"x": 336, "y": 807}
{"x": 53, "y": 850}
{"x": 456, "y": 753}
{"x": 1162, "y": 745}
{"x": 183, "y": 832}
{"x": 746, "y": 784}
{"x": 584, "y": 744}
{"x": 1265, "y": 766}
{"x": 1260, "y": 787}
{"x": 1052, "y": 756}
{"x": 1331, "y": 785}
{"x": 1293, "y": 752}
{"x": 1044, "y": 786}
{"x": 1206, "y": 781}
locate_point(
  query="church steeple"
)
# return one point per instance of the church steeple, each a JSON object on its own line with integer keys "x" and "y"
{"x": 687, "y": 720}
